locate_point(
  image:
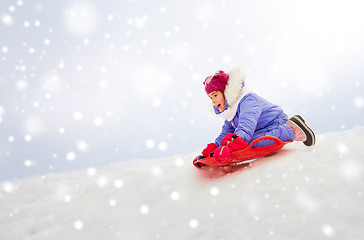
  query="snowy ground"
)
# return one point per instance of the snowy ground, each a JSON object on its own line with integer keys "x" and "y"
{"x": 299, "y": 193}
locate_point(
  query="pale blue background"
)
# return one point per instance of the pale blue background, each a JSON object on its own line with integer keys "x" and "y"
{"x": 137, "y": 68}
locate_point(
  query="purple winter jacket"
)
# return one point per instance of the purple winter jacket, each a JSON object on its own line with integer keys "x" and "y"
{"x": 256, "y": 117}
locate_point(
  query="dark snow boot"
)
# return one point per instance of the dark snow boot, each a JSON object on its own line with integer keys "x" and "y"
{"x": 298, "y": 122}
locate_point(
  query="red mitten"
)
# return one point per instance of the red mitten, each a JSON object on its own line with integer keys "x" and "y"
{"x": 211, "y": 147}
{"x": 234, "y": 142}
{"x": 237, "y": 144}
{"x": 227, "y": 138}
{"x": 222, "y": 153}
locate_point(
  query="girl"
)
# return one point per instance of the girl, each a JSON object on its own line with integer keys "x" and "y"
{"x": 247, "y": 117}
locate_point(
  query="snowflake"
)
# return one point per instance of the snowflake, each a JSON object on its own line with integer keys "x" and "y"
{"x": 7, "y": 19}
{"x": 28, "y": 163}
{"x": 67, "y": 198}
{"x": 102, "y": 182}
{"x": 150, "y": 144}
{"x": 8, "y": 187}
{"x": 144, "y": 209}
{"x": 78, "y": 225}
{"x": 82, "y": 146}
{"x": 118, "y": 183}
{"x": 193, "y": 223}
{"x": 157, "y": 102}
{"x": 91, "y": 171}
{"x": 112, "y": 202}
{"x": 179, "y": 162}
{"x": 328, "y": 230}
{"x": 214, "y": 191}
{"x": 162, "y": 146}
{"x": 175, "y": 195}
{"x": 359, "y": 102}
{"x": 28, "y": 138}
{"x": 71, "y": 156}
{"x": 98, "y": 122}
{"x": 78, "y": 115}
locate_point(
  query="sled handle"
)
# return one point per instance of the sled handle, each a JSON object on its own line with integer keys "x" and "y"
{"x": 196, "y": 162}
{"x": 276, "y": 141}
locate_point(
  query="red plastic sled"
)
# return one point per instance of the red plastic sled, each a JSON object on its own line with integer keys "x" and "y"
{"x": 246, "y": 155}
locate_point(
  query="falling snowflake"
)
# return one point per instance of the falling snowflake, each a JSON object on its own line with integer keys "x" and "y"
{"x": 193, "y": 223}
{"x": 157, "y": 171}
{"x": 179, "y": 162}
{"x": 102, "y": 182}
{"x": 5, "y": 49}
{"x": 157, "y": 102}
{"x": 98, "y": 122}
{"x": 112, "y": 202}
{"x": 82, "y": 146}
{"x": 91, "y": 171}
{"x": 67, "y": 198}
{"x": 8, "y": 187}
{"x": 28, "y": 163}
{"x": 7, "y": 19}
{"x": 162, "y": 146}
{"x": 328, "y": 230}
{"x": 342, "y": 148}
{"x": 71, "y": 156}
{"x": 214, "y": 191}
{"x": 78, "y": 225}
{"x": 78, "y": 115}
{"x": 150, "y": 144}
{"x": 28, "y": 138}
{"x": 175, "y": 195}
{"x": 118, "y": 183}
{"x": 144, "y": 209}
{"x": 359, "y": 102}
{"x": 21, "y": 85}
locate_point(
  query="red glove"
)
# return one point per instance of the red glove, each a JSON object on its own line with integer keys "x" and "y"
{"x": 234, "y": 142}
{"x": 227, "y": 138}
{"x": 222, "y": 153}
{"x": 209, "y": 149}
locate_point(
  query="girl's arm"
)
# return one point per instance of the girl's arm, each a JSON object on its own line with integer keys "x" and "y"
{"x": 226, "y": 128}
{"x": 250, "y": 111}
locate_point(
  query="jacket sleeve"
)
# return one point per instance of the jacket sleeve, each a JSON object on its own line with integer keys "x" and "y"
{"x": 226, "y": 128}
{"x": 249, "y": 114}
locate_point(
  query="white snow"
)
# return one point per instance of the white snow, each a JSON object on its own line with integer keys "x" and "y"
{"x": 299, "y": 193}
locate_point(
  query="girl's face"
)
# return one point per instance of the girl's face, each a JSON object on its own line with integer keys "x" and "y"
{"x": 218, "y": 100}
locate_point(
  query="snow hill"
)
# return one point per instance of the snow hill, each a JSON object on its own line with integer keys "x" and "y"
{"x": 299, "y": 193}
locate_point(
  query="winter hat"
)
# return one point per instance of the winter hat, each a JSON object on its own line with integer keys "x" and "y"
{"x": 216, "y": 82}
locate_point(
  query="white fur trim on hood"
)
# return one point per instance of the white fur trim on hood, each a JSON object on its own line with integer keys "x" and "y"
{"x": 234, "y": 86}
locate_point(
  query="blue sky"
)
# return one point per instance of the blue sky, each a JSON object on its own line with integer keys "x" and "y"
{"x": 87, "y": 83}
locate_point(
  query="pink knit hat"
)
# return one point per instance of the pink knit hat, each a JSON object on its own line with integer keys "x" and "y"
{"x": 216, "y": 82}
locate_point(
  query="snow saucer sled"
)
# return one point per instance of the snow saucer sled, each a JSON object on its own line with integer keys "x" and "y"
{"x": 247, "y": 155}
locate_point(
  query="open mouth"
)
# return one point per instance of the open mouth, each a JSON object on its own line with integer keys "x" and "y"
{"x": 218, "y": 105}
